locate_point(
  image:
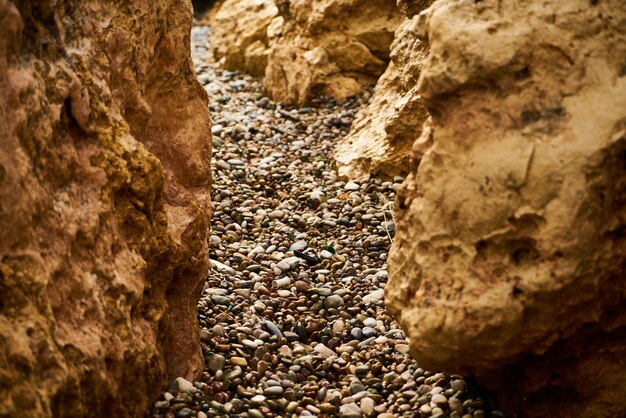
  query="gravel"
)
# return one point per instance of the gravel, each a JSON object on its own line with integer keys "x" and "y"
{"x": 292, "y": 315}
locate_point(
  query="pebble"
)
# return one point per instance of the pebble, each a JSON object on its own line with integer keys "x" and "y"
{"x": 350, "y": 410}
{"x": 367, "y": 406}
{"x": 334, "y": 301}
{"x": 369, "y": 332}
{"x": 216, "y": 362}
{"x": 352, "y": 186}
{"x": 323, "y": 350}
{"x": 273, "y": 391}
{"x": 292, "y": 316}
{"x": 369, "y": 322}
{"x": 181, "y": 384}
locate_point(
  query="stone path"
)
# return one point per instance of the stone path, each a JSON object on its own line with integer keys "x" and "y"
{"x": 292, "y": 316}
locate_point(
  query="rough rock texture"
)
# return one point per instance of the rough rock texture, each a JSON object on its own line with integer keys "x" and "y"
{"x": 240, "y": 34}
{"x": 104, "y": 175}
{"x": 380, "y": 139}
{"x": 330, "y": 47}
{"x": 510, "y": 253}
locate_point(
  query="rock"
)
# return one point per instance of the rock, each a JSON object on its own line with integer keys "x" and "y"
{"x": 332, "y": 47}
{"x": 333, "y": 301}
{"x": 273, "y": 329}
{"x": 104, "y": 205}
{"x": 515, "y": 214}
{"x": 370, "y": 322}
{"x": 299, "y": 246}
{"x": 367, "y": 406}
{"x": 351, "y": 186}
{"x": 221, "y": 267}
{"x": 273, "y": 391}
{"x": 458, "y": 385}
{"x": 323, "y": 350}
{"x": 369, "y": 332}
{"x": 316, "y": 198}
{"x": 217, "y": 129}
{"x": 425, "y": 409}
{"x": 238, "y": 361}
{"x": 240, "y": 39}
{"x": 339, "y": 326}
{"x": 350, "y": 410}
{"x": 181, "y": 384}
{"x": 438, "y": 399}
{"x": 356, "y": 387}
{"x": 184, "y": 412}
{"x": 380, "y": 139}
{"x": 402, "y": 348}
{"x": 216, "y": 362}
{"x": 222, "y": 164}
{"x": 374, "y": 297}
{"x": 326, "y": 254}
{"x": 357, "y": 333}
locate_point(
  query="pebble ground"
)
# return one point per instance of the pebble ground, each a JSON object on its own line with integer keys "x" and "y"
{"x": 292, "y": 317}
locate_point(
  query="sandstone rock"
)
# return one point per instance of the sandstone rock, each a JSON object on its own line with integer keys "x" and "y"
{"x": 239, "y": 30}
{"x": 380, "y": 139}
{"x": 104, "y": 194}
{"x": 330, "y": 47}
{"x": 510, "y": 248}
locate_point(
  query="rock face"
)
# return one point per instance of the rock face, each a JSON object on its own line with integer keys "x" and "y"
{"x": 240, "y": 34}
{"x": 104, "y": 175}
{"x": 306, "y": 48}
{"x": 510, "y": 253}
{"x": 330, "y": 47}
{"x": 380, "y": 139}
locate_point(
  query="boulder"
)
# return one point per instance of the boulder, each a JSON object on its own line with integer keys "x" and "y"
{"x": 239, "y": 32}
{"x": 104, "y": 204}
{"x": 380, "y": 139}
{"x": 509, "y": 260}
{"x": 328, "y": 47}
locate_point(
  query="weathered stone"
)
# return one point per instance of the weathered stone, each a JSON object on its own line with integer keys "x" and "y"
{"x": 509, "y": 252}
{"x": 380, "y": 139}
{"x": 104, "y": 194}
{"x": 331, "y": 47}
{"x": 239, "y": 30}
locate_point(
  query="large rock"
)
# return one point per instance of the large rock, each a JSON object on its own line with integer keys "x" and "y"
{"x": 239, "y": 30}
{"x": 510, "y": 252}
{"x": 380, "y": 139}
{"x": 104, "y": 200}
{"x": 329, "y": 47}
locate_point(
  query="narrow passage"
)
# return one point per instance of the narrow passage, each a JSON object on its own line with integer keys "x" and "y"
{"x": 292, "y": 316}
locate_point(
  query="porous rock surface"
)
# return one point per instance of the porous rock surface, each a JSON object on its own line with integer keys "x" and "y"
{"x": 380, "y": 140}
{"x": 240, "y": 28}
{"x": 510, "y": 251}
{"x": 104, "y": 175}
{"x": 329, "y": 47}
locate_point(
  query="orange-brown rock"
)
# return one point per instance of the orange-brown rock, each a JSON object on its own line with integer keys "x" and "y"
{"x": 104, "y": 203}
{"x": 510, "y": 253}
{"x": 239, "y": 31}
{"x": 380, "y": 139}
{"x": 329, "y": 47}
